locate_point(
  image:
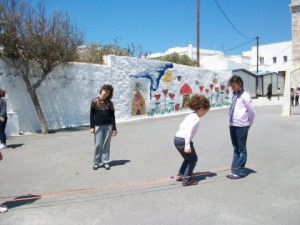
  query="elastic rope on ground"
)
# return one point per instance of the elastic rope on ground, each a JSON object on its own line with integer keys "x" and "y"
{"x": 103, "y": 188}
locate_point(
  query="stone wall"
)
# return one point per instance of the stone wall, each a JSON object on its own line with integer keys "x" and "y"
{"x": 295, "y": 10}
{"x": 142, "y": 87}
{"x": 295, "y": 2}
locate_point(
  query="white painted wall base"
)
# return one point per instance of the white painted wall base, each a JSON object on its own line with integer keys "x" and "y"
{"x": 12, "y": 125}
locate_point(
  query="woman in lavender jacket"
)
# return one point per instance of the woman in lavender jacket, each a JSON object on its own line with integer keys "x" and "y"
{"x": 241, "y": 117}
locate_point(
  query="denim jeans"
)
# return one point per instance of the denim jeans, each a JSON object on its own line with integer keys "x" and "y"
{"x": 102, "y": 139}
{"x": 239, "y": 139}
{"x": 190, "y": 159}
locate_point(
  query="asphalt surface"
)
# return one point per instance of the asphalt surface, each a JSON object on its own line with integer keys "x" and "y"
{"x": 48, "y": 179}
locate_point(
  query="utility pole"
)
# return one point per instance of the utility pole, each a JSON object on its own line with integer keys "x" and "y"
{"x": 257, "y": 54}
{"x": 257, "y": 61}
{"x": 198, "y": 31}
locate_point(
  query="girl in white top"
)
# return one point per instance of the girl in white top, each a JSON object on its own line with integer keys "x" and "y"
{"x": 184, "y": 136}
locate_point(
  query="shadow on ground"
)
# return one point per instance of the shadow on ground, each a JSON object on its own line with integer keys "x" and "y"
{"x": 248, "y": 171}
{"x": 119, "y": 162}
{"x": 203, "y": 175}
{"x": 21, "y": 200}
{"x": 68, "y": 129}
{"x": 13, "y": 146}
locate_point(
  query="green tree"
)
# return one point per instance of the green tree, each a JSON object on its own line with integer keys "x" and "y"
{"x": 35, "y": 43}
{"x": 179, "y": 59}
{"x": 93, "y": 53}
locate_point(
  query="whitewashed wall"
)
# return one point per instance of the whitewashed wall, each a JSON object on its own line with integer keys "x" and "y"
{"x": 65, "y": 96}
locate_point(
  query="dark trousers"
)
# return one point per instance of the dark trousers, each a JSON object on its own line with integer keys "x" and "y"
{"x": 292, "y": 100}
{"x": 189, "y": 159}
{"x": 239, "y": 140}
{"x": 2, "y": 131}
{"x": 297, "y": 100}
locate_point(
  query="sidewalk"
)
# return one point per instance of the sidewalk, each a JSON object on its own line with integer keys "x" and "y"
{"x": 48, "y": 179}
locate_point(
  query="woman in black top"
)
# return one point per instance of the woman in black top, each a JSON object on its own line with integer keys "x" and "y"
{"x": 103, "y": 125}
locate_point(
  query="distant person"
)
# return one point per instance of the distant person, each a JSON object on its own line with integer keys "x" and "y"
{"x": 3, "y": 208}
{"x": 278, "y": 93}
{"x": 3, "y": 119}
{"x": 269, "y": 93}
{"x": 292, "y": 96}
{"x": 297, "y": 92}
{"x": 184, "y": 136}
{"x": 241, "y": 117}
{"x": 103, "y": 125}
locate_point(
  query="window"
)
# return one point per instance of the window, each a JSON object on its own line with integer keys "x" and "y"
{"x": 274, "y": 60}
{"x": 261, "y": 60}
{"x": 285, "y": 58}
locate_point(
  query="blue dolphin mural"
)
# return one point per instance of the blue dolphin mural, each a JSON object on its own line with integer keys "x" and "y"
{"x": 154, "y": 82}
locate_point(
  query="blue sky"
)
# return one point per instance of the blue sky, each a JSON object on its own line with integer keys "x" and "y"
{"x": 157, "y": 25}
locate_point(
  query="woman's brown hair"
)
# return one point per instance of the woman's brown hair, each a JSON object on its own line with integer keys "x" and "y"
{"x": 109, "y": 88}
{"x": 2, "y": 93}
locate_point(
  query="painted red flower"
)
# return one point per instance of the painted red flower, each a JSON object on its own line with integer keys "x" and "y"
{"x": 171, "y": 95}
{"x": 157, "y": 96}
{"x": 207, "y": 90}
{"x": 201, "y": 88}
{"x": 165, "y": 91}
{"x": 222, "y": 86}
{"x": 211, "y": 86}
{"x": 217, "y": 89}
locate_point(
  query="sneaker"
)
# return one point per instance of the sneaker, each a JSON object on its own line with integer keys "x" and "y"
{"x": 190, "y": 182}
{"x": 3, "y": 146}
{"x": 235, "y": 176}
{"x": 229, "y": 175}
{"x": 179, "y": 177}
{"x": 95, "y": 167}
{"x": 3, "y": 208}
{"x": 106, "y": 166}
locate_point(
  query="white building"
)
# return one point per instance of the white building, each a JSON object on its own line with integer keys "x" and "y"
{"x": 191, "y": 52}
{"x": 223, "y": 62}
{"x": 272, "y": 58}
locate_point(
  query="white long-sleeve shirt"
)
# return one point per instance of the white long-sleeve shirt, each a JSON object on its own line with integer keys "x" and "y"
{"x": 188, "y": 128}
{"x": 244, "y": 112}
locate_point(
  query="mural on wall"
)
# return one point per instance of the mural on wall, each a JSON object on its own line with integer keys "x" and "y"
{"x": 174, "y": 91}
{"x": 216, "y": 92}
{"x": 185, "y": 91}
{"x": 154, "y": 76}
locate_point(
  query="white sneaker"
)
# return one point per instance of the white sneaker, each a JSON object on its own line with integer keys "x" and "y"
{"x": 3, "y": 208}
{"x": 3, "y": 146}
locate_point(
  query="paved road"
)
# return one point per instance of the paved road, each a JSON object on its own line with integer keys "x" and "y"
{"x": 48, "y": 179}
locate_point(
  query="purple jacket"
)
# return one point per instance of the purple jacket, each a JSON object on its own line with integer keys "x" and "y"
{"x": 244, "y": 112}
